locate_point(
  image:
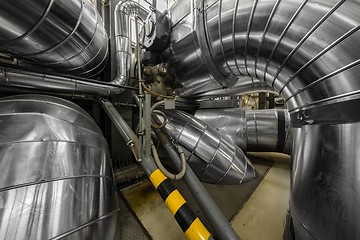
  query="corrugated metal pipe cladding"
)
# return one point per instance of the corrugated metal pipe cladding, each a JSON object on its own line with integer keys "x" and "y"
{"x": 309, "y": 52}
{"x": 64, "y": 36}
{"x": 213, "y": 157}
{"x": 265, "y": 130}
{"x": 56, "y": 179}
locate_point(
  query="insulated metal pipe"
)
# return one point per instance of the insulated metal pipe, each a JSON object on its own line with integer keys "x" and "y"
{"x": 269, "y": 130}
{"x": 123, "y": 12}
{"x": 56, "y": 178}
{"x": 221, "y": 226}
{"x": 214, "y": 158}
{"x": 65, "y": 36}
{"x": 265, "y": 130}
{"x": 308, "y": 51}
{"x": 20, "y": 79}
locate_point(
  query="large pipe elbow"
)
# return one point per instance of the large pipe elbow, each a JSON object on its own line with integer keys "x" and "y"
{"x": 308, "y": 52}
{"x": 65, "y": 36}
{"x": 124, "y": 10}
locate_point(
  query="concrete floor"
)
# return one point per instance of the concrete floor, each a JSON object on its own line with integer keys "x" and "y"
{"x": 263, "y": 215}
{"x": 257, "y": 210}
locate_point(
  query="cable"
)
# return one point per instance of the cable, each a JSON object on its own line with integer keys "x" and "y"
{"x": 160, "y": 113}
{"x": 156, "y": 105}
{"x": 157, "y": 112}
{"x": 164, "y": 170}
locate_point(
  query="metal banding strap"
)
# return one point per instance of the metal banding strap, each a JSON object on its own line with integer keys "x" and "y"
{"x": 334, "y": 111}
{"x": 189, "y": 223}
{"x": 281, "y": 136}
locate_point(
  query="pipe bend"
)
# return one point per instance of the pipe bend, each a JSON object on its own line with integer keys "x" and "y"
{"x": 120, "y": 80}
{"x": 306, "y": 50}
{"x": 124, "y": 10}
{"x": 65, "y": 36}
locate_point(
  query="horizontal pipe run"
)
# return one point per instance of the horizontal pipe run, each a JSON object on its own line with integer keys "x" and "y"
{"x": 266, "y": 130}
{"x": 20, "y": 79}
{"x": 244, "y": 85}
{"x": 189, "y": 223}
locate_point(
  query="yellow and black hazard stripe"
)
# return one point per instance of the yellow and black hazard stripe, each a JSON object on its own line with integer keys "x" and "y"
{"x": 189, "y": 223}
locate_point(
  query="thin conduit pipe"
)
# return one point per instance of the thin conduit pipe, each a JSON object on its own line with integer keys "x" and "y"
{"x": 10, "y": 77}
{"x": 141, "y": 93}
{"x": 181, "y": 154}
{"x": 168, "y": 174}
{"x": 215, "y": 217}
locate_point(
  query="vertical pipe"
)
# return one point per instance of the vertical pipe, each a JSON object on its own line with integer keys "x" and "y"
{"x": 122, "y": 13}
{"x": 147, "y": 123}
{"x": 141, "y": 94}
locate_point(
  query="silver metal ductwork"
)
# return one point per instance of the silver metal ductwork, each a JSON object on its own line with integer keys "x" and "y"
{"x": 65, "y": 36}
{"x": 308, "y": 51}
{"x": 20, "y": 80}
{"x": 124, "y": 10}
{"x": 244, "y": 85}
{"x": 56, "y": 179}
{"x": 213, "y": 158}
{"x": 265, "y": 130}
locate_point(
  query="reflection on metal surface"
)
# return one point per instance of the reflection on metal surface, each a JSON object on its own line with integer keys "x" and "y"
{"x": 252, "y": 130}
{"x": 279, "y": 42}
{"x": 244, "y": 85}
{"x": 55, "y": 172}
{"x": 325, "y": 176}
{"x": 230, "y": 122}
{"x": 124, "y": 10}
{"x": 30, "y": 81}
{"x": 269, "y": 130}
{"x": 308, "y": 51}
{"x": 214, "y": 158}
{"x": 66, "y": 36}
